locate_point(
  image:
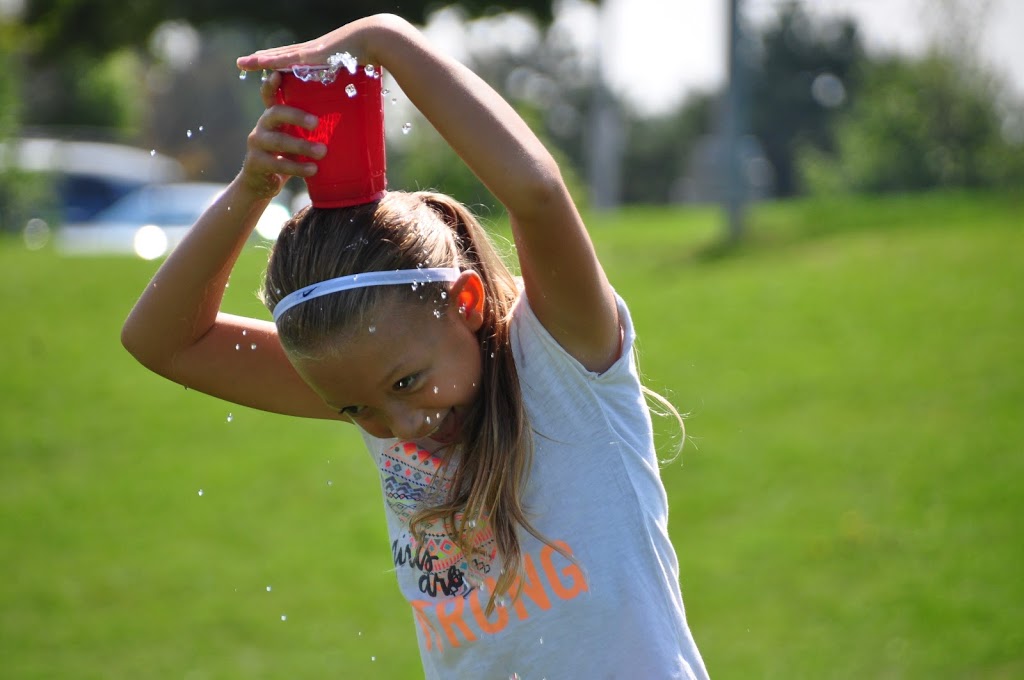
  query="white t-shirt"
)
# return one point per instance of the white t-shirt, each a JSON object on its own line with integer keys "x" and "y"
{"x": 616, "y": 611}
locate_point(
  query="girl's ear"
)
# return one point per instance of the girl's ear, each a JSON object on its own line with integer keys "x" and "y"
{"x": 468, "y": 294}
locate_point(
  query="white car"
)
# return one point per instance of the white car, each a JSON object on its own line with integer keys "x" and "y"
{"x": 152, "y": 220}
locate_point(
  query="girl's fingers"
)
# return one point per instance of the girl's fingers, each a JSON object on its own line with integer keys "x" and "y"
{"x": 282, "y": 57}
{"x": 269, "y": 87}
{"x": 263, "y": 163}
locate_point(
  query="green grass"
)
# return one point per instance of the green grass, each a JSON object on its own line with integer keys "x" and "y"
{"x": 847, "y": 505}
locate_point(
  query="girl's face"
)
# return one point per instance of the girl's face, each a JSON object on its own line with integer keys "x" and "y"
{"x": 410, "y": 374}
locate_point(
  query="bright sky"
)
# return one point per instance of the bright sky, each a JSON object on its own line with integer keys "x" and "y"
{"x": 657, "y": 50}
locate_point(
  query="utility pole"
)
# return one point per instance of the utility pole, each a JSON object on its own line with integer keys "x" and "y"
{"x": 734, "y": 189}
{"x": 605, "y": 127}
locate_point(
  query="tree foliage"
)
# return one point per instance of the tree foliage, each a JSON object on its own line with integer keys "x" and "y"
{"x": 919, "y": 124}
{"x": 805, "y": 74}
{"x": 98, "y": 26}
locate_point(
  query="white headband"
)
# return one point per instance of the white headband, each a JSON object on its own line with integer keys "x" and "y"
{"x": 364, "y": 280}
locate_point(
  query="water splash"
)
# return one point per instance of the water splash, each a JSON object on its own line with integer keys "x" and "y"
{"x": 343, "y": 59}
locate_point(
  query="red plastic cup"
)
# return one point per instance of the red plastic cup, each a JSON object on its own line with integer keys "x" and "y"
{"x": 352, "y": 127}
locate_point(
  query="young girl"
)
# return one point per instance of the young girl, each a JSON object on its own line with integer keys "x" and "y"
{"x": 527, "y": 519}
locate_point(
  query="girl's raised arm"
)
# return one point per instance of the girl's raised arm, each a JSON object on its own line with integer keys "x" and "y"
{"x": 176, "y": 328}
{"x": 566, "y": 285}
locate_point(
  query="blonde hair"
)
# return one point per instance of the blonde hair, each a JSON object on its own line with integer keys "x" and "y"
{"x": 406, "y": 231}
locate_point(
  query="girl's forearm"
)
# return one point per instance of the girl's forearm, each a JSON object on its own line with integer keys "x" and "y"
{"x": 181, "y": 302}
{"x": 486, "y": 132}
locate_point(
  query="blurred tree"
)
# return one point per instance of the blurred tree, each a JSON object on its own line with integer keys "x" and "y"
{"x": 98, "y": 26}
{"x": 804, "y": 76}
{"x": 920, "y": 124}
{"x": 660, "y": 148}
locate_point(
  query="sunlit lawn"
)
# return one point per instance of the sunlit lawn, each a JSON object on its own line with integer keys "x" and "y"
{"x": 848, "y": 504}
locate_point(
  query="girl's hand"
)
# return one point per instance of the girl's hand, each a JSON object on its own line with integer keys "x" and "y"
{"x": 348, "y": 38}
{"x": 267, "y": 165}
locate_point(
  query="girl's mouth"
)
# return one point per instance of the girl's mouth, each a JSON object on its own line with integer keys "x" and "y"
{"x": 447, "y": 429}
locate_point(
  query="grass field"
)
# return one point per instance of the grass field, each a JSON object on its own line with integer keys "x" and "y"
{"x": 848, "y": 504}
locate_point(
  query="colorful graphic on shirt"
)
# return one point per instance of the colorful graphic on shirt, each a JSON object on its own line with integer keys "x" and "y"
{"x": 412, "y": 478}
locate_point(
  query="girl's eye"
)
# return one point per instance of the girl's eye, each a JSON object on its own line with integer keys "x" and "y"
{"x": 405, "y": 383}
{"x": 353, "y": 411}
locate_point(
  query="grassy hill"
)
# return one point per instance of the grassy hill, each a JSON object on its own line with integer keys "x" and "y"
{"x": 847, "y": 504}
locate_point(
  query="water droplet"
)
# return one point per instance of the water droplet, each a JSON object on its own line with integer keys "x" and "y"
{"x": 252, "y": 346}
{"x": 360, "y": 633}
{"x": 245, "y": 332}
{"x": 230, "y": 417}
{"x": 330, "y": 482}
{"x": 385, "y": 92}
{"x": 428, "y": 420}
{"x": 200, "y": 492}
{"x": 152, "y": 152}
{"x": 350, "y": 90}
{"x": 269, "y": 589}
{"x": 373, "y": 658}
{"x": 201, "y": 128}
{"x": 444, "y": 295}
{"x": 501, "y": 601}
{"x": 238, "y": 346}
{"x": 492, "y": 355}
{"x": 264, "y": 77}
{"x": 283, "y": 617}
{"x": 372, "y": 329}
{"x": 188, "y": 133}
{"x": 542, "y": 640}
{"x": 394, "y": 100}
{"x": 437, "y": 314}
{"x": 370, "y": 70}
{"x": 406, "y": 128}
{"x": 514, "y": 676}
{"x": 242, "y": 75}
{"x": 415, "y": 285}
{"x": 436, "y": 389}
{"x": 471, "y": 524}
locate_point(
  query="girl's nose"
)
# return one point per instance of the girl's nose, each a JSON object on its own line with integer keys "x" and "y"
{"x": 411, "y": 423}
